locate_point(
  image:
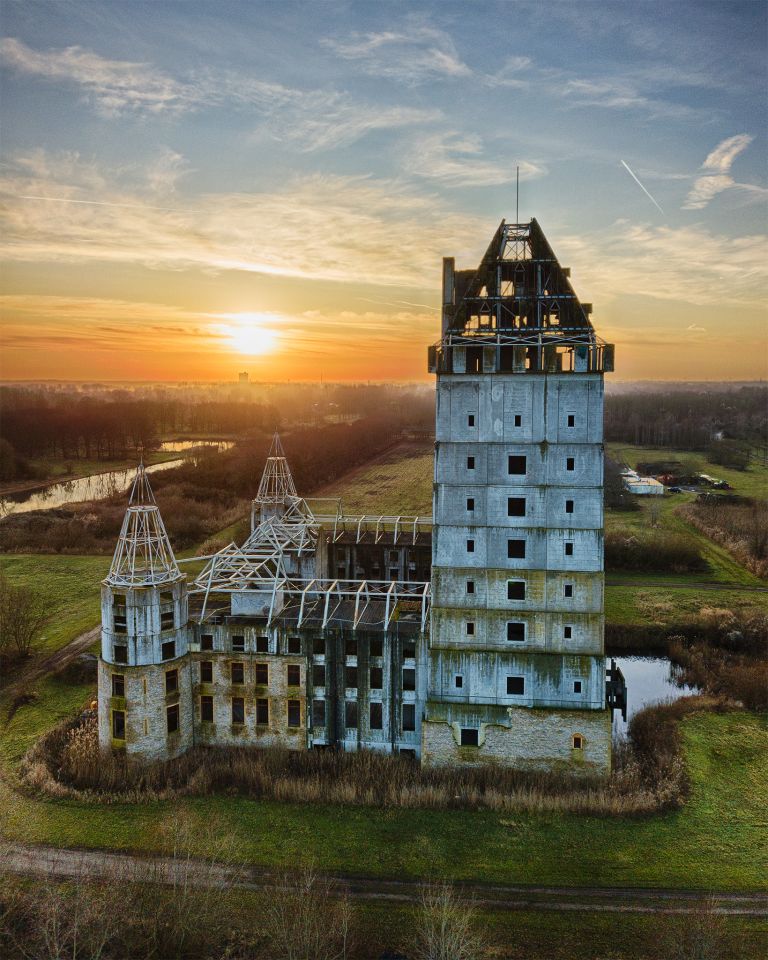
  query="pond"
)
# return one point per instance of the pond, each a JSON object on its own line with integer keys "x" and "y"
{"x": 98, "y": 485}
{"x": 649, "y": 680}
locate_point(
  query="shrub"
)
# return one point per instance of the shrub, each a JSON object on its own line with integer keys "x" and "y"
{"x": 652, "y": 550}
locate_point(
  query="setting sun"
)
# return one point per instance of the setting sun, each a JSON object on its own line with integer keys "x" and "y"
{"x": 250, "y": 334}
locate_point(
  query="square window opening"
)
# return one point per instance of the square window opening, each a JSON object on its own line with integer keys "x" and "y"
{"x": 409, "y": 717}
{"x": 168, "y": 650}
{"x": 516, "y": 590}
{"x": 516, "y": 632}
{"x": 376, "y": 678}
{"x": 515, "y": 686}
{"x": 570, "y": 463}
{"x": 517, "y": 465}
{"x": 262, "y": 674}
{"x": 470, "y": 503}
{"x": 577, "y": 686}
{"x": 118, "y": 685}
{"x": 206, "y": 671}
{"x": 569, "y": 548}
{"x": 294, "y": 713}
{"x": 470, "y": 463}
{"x": 458, "y": 681}
{"x": 238, "y": 644}
{"x": 470, "y": 737}
{"x": 206, "y": 641}
{"x": 516, "y": 549}
{"x": 237, "y": 673}
{"x": 515, "y": 506}
{"x": 470, "y": 546}
{"x": 375, "y": 716}
{"x": 294, "y": 675}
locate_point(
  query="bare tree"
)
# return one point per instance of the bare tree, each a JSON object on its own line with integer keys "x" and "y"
{"x": 308, "y": 918}
{"x": 447, "y": 927}
{"x": 23, "y": 614}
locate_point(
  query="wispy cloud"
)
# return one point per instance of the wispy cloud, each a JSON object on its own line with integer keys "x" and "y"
{"x": 115, "y": 86}
{"x": 458, "y": 160}
{"x": 347, "y": 229}
{"x": 717, "y": 177}
{"x": 412, "y": 55}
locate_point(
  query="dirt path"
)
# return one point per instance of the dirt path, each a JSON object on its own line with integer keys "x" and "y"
{"x": 49, "y": 861}
{"x": 54, "y": 662}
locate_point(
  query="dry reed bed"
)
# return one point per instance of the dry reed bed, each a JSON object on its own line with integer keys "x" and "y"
{"x": 742, "y": 528}
{"x": 649, "y": 775}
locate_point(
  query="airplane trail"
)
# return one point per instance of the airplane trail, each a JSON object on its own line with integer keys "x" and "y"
{"x": 96, "y": 203}
{"x": 653, "y": 201}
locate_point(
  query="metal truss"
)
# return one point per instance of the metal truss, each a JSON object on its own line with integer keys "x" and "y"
{"x": 330, "y": 595}
{"x": 143, "y": 556}
{"x": 402, "y": 528}
{"x": 276, "y": 481}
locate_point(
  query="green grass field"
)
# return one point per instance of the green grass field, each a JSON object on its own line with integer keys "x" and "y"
{"x": 717, "y": 840}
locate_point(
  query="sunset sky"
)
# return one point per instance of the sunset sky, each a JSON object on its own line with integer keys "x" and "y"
{"x": 192, "y": 189}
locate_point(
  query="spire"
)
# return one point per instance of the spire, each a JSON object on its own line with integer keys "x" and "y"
{"x": 276, "y": 481}
{"x": 143, "y": 555}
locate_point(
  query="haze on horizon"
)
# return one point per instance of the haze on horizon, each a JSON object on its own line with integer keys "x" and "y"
{"x": 189, "y": 190}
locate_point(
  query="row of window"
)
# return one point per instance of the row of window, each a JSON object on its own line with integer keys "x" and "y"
{"x": 517, "y": 466}
{"x": 120, "y": 619}
{"x": 470, "y": 737}
{"x": 516, "y": 589}
{"x": 516, "y": 506}
{"x": 516, "y": 548}
{"x": 515, "y": 631}
{"x": 518, "y": 420}
{"x": 293, "y": 675}
{"x": 293, "y": 646}
{"x": 167, "y": 651}
{"x": 515, "y": 685}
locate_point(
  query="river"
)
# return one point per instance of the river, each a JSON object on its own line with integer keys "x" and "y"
{"x": 98, "y": 485}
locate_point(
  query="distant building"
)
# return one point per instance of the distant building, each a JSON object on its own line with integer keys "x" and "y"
{"x": 641, "y": 486}
{"x": 243, "y": 377}
{"x": 473, "y": 639}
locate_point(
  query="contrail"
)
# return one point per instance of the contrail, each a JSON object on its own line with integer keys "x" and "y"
{"x": 626, "y": 167}
{"x": 96, "y": 203}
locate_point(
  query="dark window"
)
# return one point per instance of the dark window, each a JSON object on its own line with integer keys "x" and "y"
{"x": 570, "y": 463}
{"x": 578, "y": 742}
{"x": 577, "y": 686}
{"x": 470, "y": 463}
{"x": 350, "y": 677}
{"x": 238, "y": 672}
{"x": 470, "y": 629}
{"x": 517, "y": 465}
{"x": 516, "y": 632}
{"x": 206, "y": 641}
{"x": 262, "y": 674}
{"x": 168, "y": 651}
{"x": 206, "y": 709}
{"x": 318, "y": 646}
{"x": 470, "y": 546}
{"x": 238, "y": 644}
{"x": 376, "y": 678}
{"x": 294, "y": 644}
{"x": 516, "y": 549}
{"x": 294, "y": 713}
{"x": 318, "y": 675}
{"x": 569, "y": 548}
{"x": 238, "y": 710}
{"x": 121, "y": 653}
{"x": 567, "y": 632}
{"x": 262, "y": 711}
{"x": 172, "y": 718}
{"x": 571, "y": 420}
{"x": 567, "y": 589}
{"x": 350, "y": 647}
{"x": 515, "y": 686}
{"x": 377, "y": 646}
{"x": 206, "y": 671}
{"x": 375, "y": 716}
{"x": 409, "y": 717}
{"x": 470, "y": 419}
{"x": 394, "y": 573}
{"x": 409, "y": 679}
{"x": 469, "y": 738}
{"x": 569, "y": 506}
{"x": 119, "y": 622}
{"x": 470, "y": 586}
{"x": 515, "y": 506}
{"x": 294, "y": 675}
{"x": 166, "y": 620}
{"x": 470, "y": 503}
{"x": 262, "y": 644}
{"x": 118, "y": 724}
{"x": 518, "y": 420}
{"x": 350, "y": 714}
{"x": 118, "y": 685}
{"x": 516, "y": 590}
{"x": 409, "y": 650}
{"x": 318, "y": 713}
{"x": 171, "y": 681}
{"x": 459, "y": 681}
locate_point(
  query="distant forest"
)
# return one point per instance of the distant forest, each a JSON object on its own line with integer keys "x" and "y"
{"x": 99, "y": 422}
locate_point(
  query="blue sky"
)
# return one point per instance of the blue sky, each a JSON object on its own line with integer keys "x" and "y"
{"x": 299, "y": 169}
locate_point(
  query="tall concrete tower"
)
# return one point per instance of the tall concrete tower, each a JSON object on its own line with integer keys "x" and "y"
{"x": 516, "y": 658}
{"x": 145, "y": 691}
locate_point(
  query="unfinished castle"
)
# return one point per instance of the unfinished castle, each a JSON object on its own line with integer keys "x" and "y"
{"x": 475, "y": 636}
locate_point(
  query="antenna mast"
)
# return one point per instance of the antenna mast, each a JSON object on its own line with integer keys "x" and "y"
{"x": 517, "y": 196}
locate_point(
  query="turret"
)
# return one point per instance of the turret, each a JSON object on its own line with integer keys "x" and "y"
{"x": 275, "y": 487}
{"x": 145, "y": 701}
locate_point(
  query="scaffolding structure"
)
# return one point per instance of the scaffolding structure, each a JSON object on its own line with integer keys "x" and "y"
{"x": 143, "y": 556}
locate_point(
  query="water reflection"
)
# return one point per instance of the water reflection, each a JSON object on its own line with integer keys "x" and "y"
{"x": 649, "y": 680}
{"x": 100, "y": 485}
